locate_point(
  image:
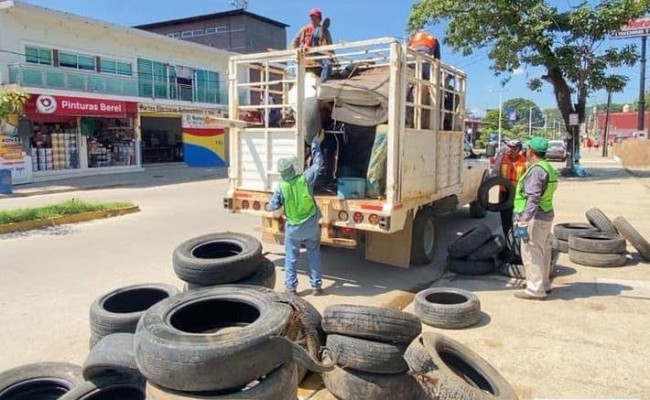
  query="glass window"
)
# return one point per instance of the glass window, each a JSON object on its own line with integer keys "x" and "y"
{"x": 187, "y": 34}
{"x": 37, "y": 55}
{"x": 86, "y": 63}
{"x": 198, "y": 32}
{"x": 211, "y": 31}
{"x": 78, "y": 61}
{"x": 67, "y": 60}
{"x": 207, "y": 86}
{"x": 152, "y": 79}
{"x": 108, "y": 66}
{"x": 124, "y": 69}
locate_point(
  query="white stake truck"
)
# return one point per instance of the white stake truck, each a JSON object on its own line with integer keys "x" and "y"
{"x": 426, "y": 169}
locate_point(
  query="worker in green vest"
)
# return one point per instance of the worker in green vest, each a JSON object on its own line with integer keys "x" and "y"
{"x": 296, "y": 194}
{"x": 534, "y": 215}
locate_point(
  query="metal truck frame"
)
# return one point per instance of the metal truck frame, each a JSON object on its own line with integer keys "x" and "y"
{"x": 426, "y": 168}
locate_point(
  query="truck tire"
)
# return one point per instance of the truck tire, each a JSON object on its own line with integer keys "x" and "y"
{"x": 446, "y": 369}
{"x": 447, "y": 308}
{"x": 512, "y": 270}
{"x": 476, "y": 210}
{"x": 598, "y": 243}
{"x": 114, "y": 353}
{"x": 349, "y": 384}
{"x": 373, "y": 323}
{"x": 466, "y": 267}
{"x": 423, "y": 242}
{"x": 563, "y": 245}
{"x": 634, "y": 237}
{"x": 489, "y": 250}
{"x": 45, "y": 381}
{"x": 469, "y": 241}
{"x": 367, "y": 356}
{"x": 181, "y": 341}
{"x": 514, "y": 245}
{"x": 120, "y": 310}
{"x": 598, "y": 219}
{"x": 264, "y": 276}
{"x": 217, "y": 258}
{"x": 484, "y": 194}
{"x": 563, "y": 231}
{"x": 110, "y": 386}
{"x": 597, "y": 259}
{"x": 279, "y": 384}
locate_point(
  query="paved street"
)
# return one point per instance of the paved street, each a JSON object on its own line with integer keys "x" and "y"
{"x": 588, "y": 340}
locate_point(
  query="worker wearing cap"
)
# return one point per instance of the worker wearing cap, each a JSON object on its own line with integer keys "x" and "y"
{"x": 425, "y": 43}
{"x": 512, "y": 167}
{"x": 296, "y": 194}
{"x": 534, "y": 218}
{"x": 314, "y": 34}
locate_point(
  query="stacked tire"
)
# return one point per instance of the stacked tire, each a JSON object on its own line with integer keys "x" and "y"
{"x": 223, "y": 258}
{"x": 368, "y": 344}
{"x": 564, "y": 231}
{"x": 597, "y": 249}
{"x": 475, "y": 251}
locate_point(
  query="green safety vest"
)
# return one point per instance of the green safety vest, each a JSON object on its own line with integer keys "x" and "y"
{"x": 546, "y": 200}
{"x": 298, "y": 203}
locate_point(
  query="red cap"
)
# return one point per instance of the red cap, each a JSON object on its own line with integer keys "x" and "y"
{"x": 316, "y": 13}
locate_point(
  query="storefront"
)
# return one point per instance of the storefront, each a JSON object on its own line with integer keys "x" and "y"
{"x": 75, "y": 136}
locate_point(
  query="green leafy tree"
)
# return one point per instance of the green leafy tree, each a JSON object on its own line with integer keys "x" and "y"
{"x": 567, "y": 44}
{"x": 491, "y": 120}
{"x": 522, "y": 108}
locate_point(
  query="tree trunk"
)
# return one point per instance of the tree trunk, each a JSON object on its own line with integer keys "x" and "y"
{"x": 563, "y": 98}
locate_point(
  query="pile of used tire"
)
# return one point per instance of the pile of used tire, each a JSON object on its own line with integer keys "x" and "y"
{"x": 601, "y": 242}
{"x": 447, "y": 308}
{"x": 510, "y": 263}
{"x": 475, "y": 252}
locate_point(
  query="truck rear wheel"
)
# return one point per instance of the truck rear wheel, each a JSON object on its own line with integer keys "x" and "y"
{"x": 423, "y": 242}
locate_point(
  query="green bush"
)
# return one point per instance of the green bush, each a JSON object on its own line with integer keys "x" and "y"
{"x": 68, "y": 207}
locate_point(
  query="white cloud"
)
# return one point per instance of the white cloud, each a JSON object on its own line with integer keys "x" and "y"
{"x": 518, "y": 71}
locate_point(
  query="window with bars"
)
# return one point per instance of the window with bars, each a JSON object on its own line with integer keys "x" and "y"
{"x": 37, "y": 55}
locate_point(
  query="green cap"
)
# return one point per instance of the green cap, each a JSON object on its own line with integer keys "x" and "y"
{"x": 538, "y": 144}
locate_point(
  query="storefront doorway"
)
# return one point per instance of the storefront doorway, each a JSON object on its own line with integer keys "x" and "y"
{"x": 162, "y": 139}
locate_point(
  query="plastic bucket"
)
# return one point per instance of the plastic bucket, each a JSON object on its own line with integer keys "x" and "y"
{"x": 5, "y": 181}
{"x": 351, "y": 188}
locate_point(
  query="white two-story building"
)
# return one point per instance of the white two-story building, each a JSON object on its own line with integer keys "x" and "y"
{"x": 106, "y": 98}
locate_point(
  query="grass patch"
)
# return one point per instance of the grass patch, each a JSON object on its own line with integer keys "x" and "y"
{"x": 67, "y": 207}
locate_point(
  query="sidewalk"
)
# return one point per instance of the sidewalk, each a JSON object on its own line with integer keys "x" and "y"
{"x": 153, "y": 175}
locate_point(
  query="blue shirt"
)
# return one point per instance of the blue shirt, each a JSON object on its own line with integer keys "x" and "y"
{"x": 309, "y": 229}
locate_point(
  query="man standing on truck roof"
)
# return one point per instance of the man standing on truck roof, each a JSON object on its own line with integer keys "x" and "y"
{"x": 534, "y": 218}
{"x": 296, "y": 194}
{"x": 511, "y": 167}
{"x": 425, "y": 43}
{"x": 315, "y": 34}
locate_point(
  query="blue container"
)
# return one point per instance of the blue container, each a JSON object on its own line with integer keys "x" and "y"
{"x": 351, "y": 188}
{"x": 5, "y": 181}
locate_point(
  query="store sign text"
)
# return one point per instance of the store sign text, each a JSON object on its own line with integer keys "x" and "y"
{"x": 634, "y": 28}
{"x": 78, "y": 106}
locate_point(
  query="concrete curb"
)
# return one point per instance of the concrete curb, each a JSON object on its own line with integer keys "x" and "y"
{"x": 67, "y": 219}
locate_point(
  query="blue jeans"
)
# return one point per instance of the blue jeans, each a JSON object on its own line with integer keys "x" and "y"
{"x": 292, "y": 251}
{"x": 326, "y": 69}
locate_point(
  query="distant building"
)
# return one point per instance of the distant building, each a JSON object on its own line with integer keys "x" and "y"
{"x": 239, "y": 31}
{"x": 622, "y": 125}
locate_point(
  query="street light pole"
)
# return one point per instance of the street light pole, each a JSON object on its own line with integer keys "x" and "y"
{"x": 530, "y": 121}
{"x": 500, "y": 114}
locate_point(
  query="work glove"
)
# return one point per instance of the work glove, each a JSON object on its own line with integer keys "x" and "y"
{"x": 520, "y": 231}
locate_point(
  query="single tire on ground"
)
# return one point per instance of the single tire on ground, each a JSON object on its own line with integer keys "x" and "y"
{"x": 366, "y": 355}
{"x": 484, "y": 193}
{"x": 109, "y": 387}
{"x": 634, "y": 237}
{"x": 279, "y": 384}
{"x": 446, "y": 369}
{"x": 43, "y": 381}
{"x": 113, "y": 354}
{"x": 374, "y": 323}
{"x": 598, "y": 219}
{"x": 597, "y": 259}
{"x": 598, "y": 243}
{"x": 120, "y": 310}
{"x": 469, "y": 241}
{"x": 423, "y": 244}
{"x": 217, "y": 258}
{"x": 447, "y": 308}
{"x": 264, "y": 276}
{"x": 467, "y": 267}
{"x": 489, "y": 250}
{"x": 181, "y": 341}
{"x": 349, "y": 384}
{"x": 563, "y": 231}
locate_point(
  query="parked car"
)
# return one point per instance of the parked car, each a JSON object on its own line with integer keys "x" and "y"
{"x": 556, "y": 150}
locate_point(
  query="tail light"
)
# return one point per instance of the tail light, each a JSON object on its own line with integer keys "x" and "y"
{"x": 347, "y": 231}
{"x": 245, "y": 204}
{"x": 373, "y": 219}
{"x": 343, "y": 216}
{"x": 256, "y": 205}
{"x": 357, "y": 217}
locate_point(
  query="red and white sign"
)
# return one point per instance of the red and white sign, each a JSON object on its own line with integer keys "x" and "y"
{"x": 79, "y": 106}
{"x": 634, "y": 28}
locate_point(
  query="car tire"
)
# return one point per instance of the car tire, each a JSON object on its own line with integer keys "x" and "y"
{"x": 109, "y": 386}
{"x": 217, "y": 258}
{"x": 373, "y": 323}
{"x": 467, "y": 267}
{"x": 367, "y": 355}
{"x": 447, "y": 308}
{"x": 265, "y": 276}
{"x": 484, "y": 194}
{"x": 634, "y": 237}
{"x": 563, "y": 245}
{"x": 565, "y": 230}
{"x": 597, "y": 243}
{"x": 43, "y": 380}
{"x": 598, "y": 260}
{"x": 446, "y": 369}
{"x": 114, "y": 353}
{"x": 180, "y": 342}
{"x": 469, "y": 241}
{"x": 489, "y": 250}
{"x": 423, "y": 243}
{"x": 119, "y": 310}
{"x": 598, "y": 219}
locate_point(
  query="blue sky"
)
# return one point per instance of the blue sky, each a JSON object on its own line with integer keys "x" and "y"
{"x": 351, "y": 20}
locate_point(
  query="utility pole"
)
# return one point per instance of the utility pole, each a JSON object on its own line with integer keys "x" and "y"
{"x": 530, "y": 121}
{"x": 500, "y": 114}
{"x": 606, "y": 130}
{"x": 641, "y": 111}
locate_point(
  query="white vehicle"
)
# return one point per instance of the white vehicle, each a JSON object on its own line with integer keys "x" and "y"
{"x": 377, "y": 88}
